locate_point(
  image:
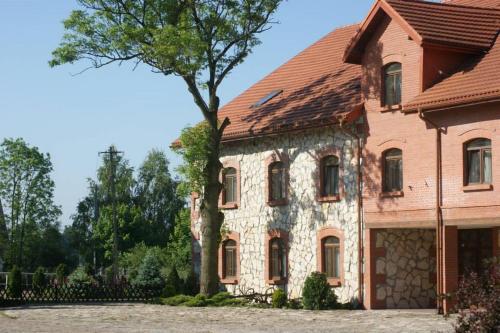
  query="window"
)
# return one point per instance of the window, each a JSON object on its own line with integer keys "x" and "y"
{"x": 230, "y": 259}
{"x": 277, "y": 262}
{"x": 330, "y": 176}
{"x": 392, "y": 84}
{"x": 331, "y": 257}
{"x": 267, "y": 98}
{"x": 479, "y": 166}
{"x": 393, "y": 170}
{"x": 277, "y": 181}
{"x": 230, "y": 185}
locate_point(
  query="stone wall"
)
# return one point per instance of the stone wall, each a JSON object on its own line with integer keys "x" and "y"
{"x": 409, "y": 267}
{"x": 302, "y": 217}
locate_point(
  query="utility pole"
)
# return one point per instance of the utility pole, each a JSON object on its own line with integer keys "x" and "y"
{"x": 113, "y": 153}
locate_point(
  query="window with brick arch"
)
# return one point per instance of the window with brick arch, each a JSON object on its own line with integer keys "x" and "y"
{"x": 478, "y": 162}
{"x": 392, "y": 78}
{"x": 277, "y": 260}
{"x": 393, "y": 170}
{"x": 329, "y": 176}
{"x": 230, "y": 181}
{"x": 229, "y": 256}
{"x": 277, "y": 181}
{"x": 331, "y": 257}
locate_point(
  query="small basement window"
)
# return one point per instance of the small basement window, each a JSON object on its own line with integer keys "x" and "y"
{"x": 267, "y": 98}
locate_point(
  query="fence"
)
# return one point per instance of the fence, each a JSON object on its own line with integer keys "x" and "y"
{"x": 55, "y": 294}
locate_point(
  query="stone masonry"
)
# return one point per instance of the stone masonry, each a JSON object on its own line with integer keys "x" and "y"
{"x": 409, "y": 267}
{"x": 302, "y": 218}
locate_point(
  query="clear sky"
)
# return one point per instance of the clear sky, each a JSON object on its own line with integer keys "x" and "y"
{"x": 75, "y": 117}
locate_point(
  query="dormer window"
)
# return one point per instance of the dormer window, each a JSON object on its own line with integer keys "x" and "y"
{"x": 392, "y": 84}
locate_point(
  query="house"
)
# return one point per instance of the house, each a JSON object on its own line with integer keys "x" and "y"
{"x": 371, "y": 156}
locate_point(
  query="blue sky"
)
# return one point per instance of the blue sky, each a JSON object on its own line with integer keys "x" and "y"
{"x": 75, "y": 117}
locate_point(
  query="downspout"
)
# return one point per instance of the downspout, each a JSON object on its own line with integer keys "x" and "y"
{"x": 439, "y": 220}
{"x": 360, "y": 209}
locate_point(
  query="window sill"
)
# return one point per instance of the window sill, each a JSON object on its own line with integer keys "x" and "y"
{"x": 334, "y": 282}
{"x": 231, "y": 205}
{"x": 277, "y": 281}
{"x": 333, "y": 198}
{"x": 274, "y": 203}
{"x": 229, "y": 281}
{"x": 477, "y": 187}
{"x": 393, "y": 194}
{"x": 390, "y": 108}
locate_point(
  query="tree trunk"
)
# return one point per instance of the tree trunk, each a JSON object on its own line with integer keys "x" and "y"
{"x": 3, "y": 233}
{"x": 212, "y": 220}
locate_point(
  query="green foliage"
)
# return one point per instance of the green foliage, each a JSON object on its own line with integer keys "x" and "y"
{"x": 15, "y": 285}
{"x": 39, "y": 280}
{"x": 219, "y": 299}
{"x": 149, "y": 274}
{"x": 193, "y": 148}
{"x": 62, "y": 272}
{"x": 80, "y": 277}
{"x": 191, "y": 284}
{"x": 28, "y": 215}
{"x": 178, "y": 251}
{"x": 294, "y": 304}
{"x": 279, "y": 299}
{"x": 317, "y": 294}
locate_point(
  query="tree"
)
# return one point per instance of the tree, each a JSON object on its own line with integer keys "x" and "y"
{"x": 201, "y": 41}
{"x": 157, "y": 198}
{"x": 27, "y": 193}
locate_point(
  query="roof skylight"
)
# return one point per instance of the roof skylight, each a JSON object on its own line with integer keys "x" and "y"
{"x": 267, "y": 98}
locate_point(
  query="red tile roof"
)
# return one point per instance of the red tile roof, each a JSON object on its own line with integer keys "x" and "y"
{"x": 317, "y": 88}
{"x": 449, "y": 24}
{"x": 477, "y": 81}
{"x": 475, "y": 3}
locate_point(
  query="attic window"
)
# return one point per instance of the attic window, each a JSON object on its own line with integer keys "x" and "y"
{"x": 267, "y": 98}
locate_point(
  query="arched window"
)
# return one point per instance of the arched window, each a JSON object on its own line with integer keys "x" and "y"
{"x": 479, "y": 166}
{"x": 330, "y": 176}
{"x": 277, "y": 260}
{"x": 393, "y": 170}
{"x": 331, "y": 257}
{"x": 229, "y": 257}
{"x": 230, "y": 185}
{"x": 392, "y": 84}
{"x": 277, "y": 181}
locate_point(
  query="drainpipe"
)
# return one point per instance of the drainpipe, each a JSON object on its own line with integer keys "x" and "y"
{"x": 439, "y": 220}
{"x": 357, "y": 138}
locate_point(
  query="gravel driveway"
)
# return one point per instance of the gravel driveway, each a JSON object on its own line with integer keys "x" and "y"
{"x": 157, "y": 318}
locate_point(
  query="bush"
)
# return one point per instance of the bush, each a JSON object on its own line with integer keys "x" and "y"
{"x": 174, "y": 283}
{"x": 109, "y": 278}
{"x": 39, "y": 280}
{"x": 294, "y": 304}
{"x": 168, "y": 291}
{"x": 317, "y": 294}
{"x": 191, "y": 285}
{"x": 197, "y": 301}
{"x": 478, "y": 301}
{"x": 176, "y": 300}
{"x": 279, "y": 299}
{"x": 61, "y": 274}
{"x": 149, "y": 273}
{"x": 79, "y": 277}
{"x": 15, "y": 285}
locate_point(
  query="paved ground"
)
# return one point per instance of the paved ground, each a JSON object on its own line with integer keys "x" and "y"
{"x": 156, "y": 318}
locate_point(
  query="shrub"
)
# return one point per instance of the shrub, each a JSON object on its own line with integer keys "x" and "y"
{"x": 108, "y": 275}
{"x": 176, "y": 300}
{"x": 478, "y": 301}
{"x": 174, "y": 280}
{"x": 79, "y": 277}
{"x": 15, "y": 285}
{"x": 39, "y": 280}
{"x": 317, "y": 294}
{"x": 279, "y": 299}
{"x": 149, "y": 273}
{"x": 191, "y": 285}
{"x": 294, "y": 304}
{"x": 61, "y": 274}
{"x": 197, "y": 301}
{"x": 169, "y": 291}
